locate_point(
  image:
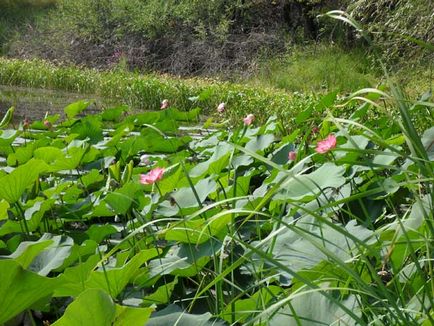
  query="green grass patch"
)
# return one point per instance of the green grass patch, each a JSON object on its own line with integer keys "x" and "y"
{"x": 147, "y": 91}
{"x": 316, "y": 68}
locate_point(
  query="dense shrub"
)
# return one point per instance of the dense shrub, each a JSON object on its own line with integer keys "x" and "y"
{"x": 181, "y": 37}
{"x": 192, "y": 37}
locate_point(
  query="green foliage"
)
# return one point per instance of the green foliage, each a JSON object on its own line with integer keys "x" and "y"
{"x": 147, "y": 91}
{"x": 234, "y": 231}
{"x": 20, "y": 289}
{"x": 95, "y": 307}
{"x": 397, "y": 26}
{"x": 223, "y": 225}
{"x": 316, "y": 68}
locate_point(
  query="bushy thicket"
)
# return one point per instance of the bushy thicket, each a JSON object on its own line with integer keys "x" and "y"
{"x": 193, "y": 36}
{"x": 180, "y": 37}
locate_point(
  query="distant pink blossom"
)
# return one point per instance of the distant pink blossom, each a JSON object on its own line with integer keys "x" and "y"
{"x": 152, "y": 176}
{"x": 315, "y": 130}
{"x": 249, "y": 119}
{"x": 292, "y": 156}
{"x": 47, "y": 124}
{"x": 221, "y": 108}
{"x": 327, "y": 144}
{"x": 164, "y": 104}
{"x": 26, "y": 123}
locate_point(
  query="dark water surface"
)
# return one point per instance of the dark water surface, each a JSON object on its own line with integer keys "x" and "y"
{"x": 34, "y": 103}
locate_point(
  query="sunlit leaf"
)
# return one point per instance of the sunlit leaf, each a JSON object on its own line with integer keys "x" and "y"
{"x": 14, "y": 184}
{"x": 19, "y": 289}
{"x": 75, "y": 108}
{"x": 92, "y": 307}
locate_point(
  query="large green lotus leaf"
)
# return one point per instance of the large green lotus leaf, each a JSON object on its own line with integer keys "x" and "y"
{"x": 33, "y": 214}
{"x": 91, "y": 178}
{"x": 170, "y": 181}
{"x": 7, "y": 137}
{"x": 184, "y": 260}
{"x": 187, "y": 232}
{"x": 167, "y": 125}
{"x": 72, "y": 280}
{"x": 245, "y": 308}
{"x": 121, "y": 199}
{"x": 4, "y": 206}
{"x": 385, "y": 159}
{"x": 92, "y": 154}
{"x": 314, "y": 309}
{"x": 48, "y": 154}
{"x": 88, "y": 127}
{"x": 101, "y": 209}
{"x": 127, "y": 316}
{"x": 259, "y": 143}
{"x": 206, "y": 142}
{"x": 100, "y": 232}
{"x": 280, "y": 155}
{"x": 24, "y": 153}
{"x": 11, "y": 227}
{"x": 166, "y": 145}
{"x": 185, "y": 197}
{"x": 144, "y": 118}
{"x": 53, "y": 256}
{"x": 161, "y": 295}
{"x": 132, "y": 146}
{"x": 14, "y": 184}
{"x": 28, "y": 250}
{"x": 173, "y": 315}
{"x": 20, "y": 289}
{"x": 299, "y": 252}
{"x": 241, "y": 160}
{"x": 308, "y": 186}
{"x": 58, "y": 159}
{"x": 44, "y": 255}
{"x": 354, "y": 142}
{"x": 114, "y": 280}
{"x": 113, "y": 114}
{"x": 175, "y": 114}
{"x": 75, "y": 108}
{"x": 92, "y": 307}
{"x": 217, "y": 162}
{"x": 242, "y": 187}
{"x": 421, "y": 211}
{"x": 78, "y": 254}
{"x": 197, "y": 231}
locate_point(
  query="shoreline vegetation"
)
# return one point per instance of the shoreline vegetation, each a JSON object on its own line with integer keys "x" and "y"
{"x": 144, "y": 91}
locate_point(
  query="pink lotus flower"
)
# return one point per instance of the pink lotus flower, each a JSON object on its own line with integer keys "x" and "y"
{"x": 152, "y": 176}
{"x": 164, "y": 104}
{"x": 47, "y": 124}
{"x": 292, "y": 156}
{"x": 26, "y": 123}
{"x": 327, "y": 144}
{"x": 221, "y": 108}
{"x": 249, "y": 119}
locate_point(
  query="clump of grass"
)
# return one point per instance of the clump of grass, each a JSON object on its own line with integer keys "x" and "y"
{"x": 316, "y": 68}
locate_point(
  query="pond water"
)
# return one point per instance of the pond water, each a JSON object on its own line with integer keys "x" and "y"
{"x": 34, "y": 103}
